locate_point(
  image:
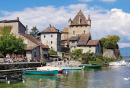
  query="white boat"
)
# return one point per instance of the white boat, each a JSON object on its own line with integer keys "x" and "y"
{"x": 119, "y": 63}
{"x": 49, "y": 68}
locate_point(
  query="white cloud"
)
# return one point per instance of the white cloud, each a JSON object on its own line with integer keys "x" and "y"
{"x": 123, "y": 45}
{"x": 85, "y": 0}
{"x": 108, "y": 0}
{"x": 104, "y": 22}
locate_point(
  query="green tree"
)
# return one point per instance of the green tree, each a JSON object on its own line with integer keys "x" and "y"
{"x": 110, "y": 42}
{"x": 77, "y": 52}
{"x": 103, "y": 40}
{"x": 52, "y": 52}
{"x": 87, "y": 56}
{"x": 11, "y": 44}
{"x": 34, "y": 32}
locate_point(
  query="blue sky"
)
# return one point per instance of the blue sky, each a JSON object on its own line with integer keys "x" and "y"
{"x": 108, "y": 16}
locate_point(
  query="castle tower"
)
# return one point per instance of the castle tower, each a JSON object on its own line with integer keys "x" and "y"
{"x": 79, "y": 25}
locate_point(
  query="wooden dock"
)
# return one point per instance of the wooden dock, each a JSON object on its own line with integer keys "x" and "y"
{"x": 15, "y": 70}
{"x": 18, "y": 65}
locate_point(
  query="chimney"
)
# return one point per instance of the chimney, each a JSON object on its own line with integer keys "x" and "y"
{"x": 18, "y": 18}
{"x": 79, "y": 18}
{"x": 95, "y": 42}
{"x": 89, "y": 17}
{"x": 49, "y": 25}
{"x": 26, "y": 28}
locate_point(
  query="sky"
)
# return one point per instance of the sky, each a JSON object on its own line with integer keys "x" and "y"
{"x": 108, "y": 17}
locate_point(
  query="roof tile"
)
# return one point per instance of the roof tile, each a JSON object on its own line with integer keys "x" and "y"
{"x": 33, "y": 40}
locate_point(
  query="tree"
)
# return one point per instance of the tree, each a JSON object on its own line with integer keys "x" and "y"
{"x": 34, "y": 32}
{"x": 87, "y": 56}
{"x": 10, "y": 44}
{"x": 110, "y": 42}
{"x": 103, "y": 40}
{"x": 77, "y": 52}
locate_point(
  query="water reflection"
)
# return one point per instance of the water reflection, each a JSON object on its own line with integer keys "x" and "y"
{"x": 106, "y": 77}
{"x": 46, "y": 81}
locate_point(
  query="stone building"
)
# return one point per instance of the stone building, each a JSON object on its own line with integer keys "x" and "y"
{"x": 79, "y": 25}
{"x": 35, "y": 49}
{"x": 51, "y": 37}
{"x": 77, "y": 35}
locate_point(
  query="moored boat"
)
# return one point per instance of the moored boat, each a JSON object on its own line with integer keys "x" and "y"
{"x": 71, "y": 68}
{"x": 34, "y": 72}
{"x": 119, "y": 63}
{"x": 49, "y": 68}
{"x": 90, "y": 66}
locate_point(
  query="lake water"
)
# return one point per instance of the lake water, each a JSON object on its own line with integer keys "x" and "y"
{"x": 106, "y": 77}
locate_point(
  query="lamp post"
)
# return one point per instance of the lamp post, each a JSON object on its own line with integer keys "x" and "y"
{"x": 40, "y": 49}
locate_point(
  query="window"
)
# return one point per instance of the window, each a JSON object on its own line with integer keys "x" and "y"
{"x": 34, "y": 54}
{"x": 84, "y": 32}
{"x": 89, "y": 51}
{"x": 44, "y": 36}
{"x": 74, "y": 46}
{"x": 51, "y": 42}
{"x": 73, "y": 41}
{"x": 51, "y": 35}
{"x": 73, "y": 32}
{"x": 80, "y": 20}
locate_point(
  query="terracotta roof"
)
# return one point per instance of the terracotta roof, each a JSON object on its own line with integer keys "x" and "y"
{"x": 83, "y": 34}
{"x": 65, "y": 39}
{"x": 79, "y": 19}
{"x": 33, "y": 40}
{"x": 83, "y": 40}
{"x": 74, "y": 38}
{"x": 62, "y": 43}
{"x": 32, "y": 47}
{"x": 92, "y": 42}
{"x": 66, "y": 29}
{"x": 50, "y": 29}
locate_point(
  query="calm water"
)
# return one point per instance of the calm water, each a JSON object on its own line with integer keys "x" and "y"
{"x": 107, "y": 77}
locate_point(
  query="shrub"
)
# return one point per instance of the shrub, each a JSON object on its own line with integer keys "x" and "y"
{"x": 83, "y": 61}
{"x": 64, "y": 57}
{"x": 100, "y": 57}
{"x": 98, "y": 60}
{"x": 52, "y": 52}
{"x": 1, "y": 55}
{"x": 76, "y": 57}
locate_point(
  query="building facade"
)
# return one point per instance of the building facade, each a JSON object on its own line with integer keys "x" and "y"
{"x": 34, "y": 50}
{"x": 51, "y": 37}
{"x": 77, "y": 35}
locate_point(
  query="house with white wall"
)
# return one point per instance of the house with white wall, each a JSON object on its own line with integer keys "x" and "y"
{"x": 51, "y": 37}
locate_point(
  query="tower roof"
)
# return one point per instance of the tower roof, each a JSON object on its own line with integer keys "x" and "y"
{"x": 79, "y": 19}
{"x": 50, "y": 29}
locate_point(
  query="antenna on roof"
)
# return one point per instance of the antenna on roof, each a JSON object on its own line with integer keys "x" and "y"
{"x": 18, "y": 18}
{"x": 49, "y": 25}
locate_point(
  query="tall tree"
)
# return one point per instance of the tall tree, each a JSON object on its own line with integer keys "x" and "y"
{"x": 11, "y": 44}
{"x": 34, "y": 32}
{"x": 110, "y": 42}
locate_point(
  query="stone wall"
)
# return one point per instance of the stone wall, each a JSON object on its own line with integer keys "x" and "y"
{"x": 110, "y": 53}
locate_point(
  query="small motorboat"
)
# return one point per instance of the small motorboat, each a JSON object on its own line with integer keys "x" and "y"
{"x": 119, "y": 63}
